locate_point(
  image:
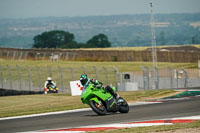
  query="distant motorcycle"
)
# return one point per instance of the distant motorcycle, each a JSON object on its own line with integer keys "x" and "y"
{"x": 52, "y": 89}
{"x": 102, "y": 101}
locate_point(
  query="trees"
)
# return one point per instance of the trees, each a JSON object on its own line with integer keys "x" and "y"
{"x": 54, "y": 39}
{"x": 62, "y": 39}
{"x": 98, "y": 41}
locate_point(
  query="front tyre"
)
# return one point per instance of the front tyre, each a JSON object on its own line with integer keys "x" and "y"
{"x": 98, "y": 108}
{"x": 123, "y": 107}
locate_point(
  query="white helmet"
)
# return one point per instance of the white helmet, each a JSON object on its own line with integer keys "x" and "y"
{"x": 49, "y": 78}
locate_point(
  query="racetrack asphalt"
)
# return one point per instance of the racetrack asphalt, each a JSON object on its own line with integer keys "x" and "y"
{"x": 170, "y": 109}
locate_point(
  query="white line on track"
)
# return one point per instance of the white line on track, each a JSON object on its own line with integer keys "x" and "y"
{"x": 88, "y": 109}
{"x": 69, "y": 111}
{"x": 44, "y": 114}
{"x": 84, "y": 109}
{"x": 121, "y": 125}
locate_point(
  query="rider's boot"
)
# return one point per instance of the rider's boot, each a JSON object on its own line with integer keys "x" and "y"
{"x": 109, "y": 89}
{"x": 117, "y": 96}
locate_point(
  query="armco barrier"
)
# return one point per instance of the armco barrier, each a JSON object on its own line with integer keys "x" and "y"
{"x": 6, "y": 92}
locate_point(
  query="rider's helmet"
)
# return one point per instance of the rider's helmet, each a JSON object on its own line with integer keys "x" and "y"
{"x": 84, "y": 79}
{"x": 49, "y": 79}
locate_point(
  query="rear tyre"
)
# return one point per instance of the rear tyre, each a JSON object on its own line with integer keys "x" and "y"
{"x": 98, "y": 108}
{"x": 124, "y": 107}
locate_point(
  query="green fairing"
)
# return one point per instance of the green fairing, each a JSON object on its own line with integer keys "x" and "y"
{"x": 91, "y": 93}
{"x": 95, "y": 99}
{"x": 102, "y": 101}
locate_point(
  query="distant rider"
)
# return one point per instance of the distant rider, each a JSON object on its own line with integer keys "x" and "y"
{"x": 48, "y": 82}
{"x": 85, "y": 80}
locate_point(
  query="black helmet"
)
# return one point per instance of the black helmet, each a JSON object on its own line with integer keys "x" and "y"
{"x": 84, "y": 79}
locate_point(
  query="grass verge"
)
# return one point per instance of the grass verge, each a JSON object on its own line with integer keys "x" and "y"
{"x": 34, "y": 104}
{"x": 175, "y": 128}
{"x": 122, "y": 66}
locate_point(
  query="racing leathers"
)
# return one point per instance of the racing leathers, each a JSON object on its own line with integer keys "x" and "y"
{"x": 47, "y": 84}
{"x": 99, "y": 85}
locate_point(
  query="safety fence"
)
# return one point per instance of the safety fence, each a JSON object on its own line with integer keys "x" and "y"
{"x": 33, "y": 78}
{"x": 163, "y": 78}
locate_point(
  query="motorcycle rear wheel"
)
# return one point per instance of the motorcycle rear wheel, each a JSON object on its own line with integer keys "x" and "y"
{"x": 98, "y": 108}
{"x": 124, "y": 108}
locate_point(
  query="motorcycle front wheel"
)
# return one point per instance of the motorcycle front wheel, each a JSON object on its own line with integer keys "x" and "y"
{"x": 98, "y": 108}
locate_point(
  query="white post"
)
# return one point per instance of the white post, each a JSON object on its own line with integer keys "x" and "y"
{"x": 154, "y": 53}
{"x": 199, "y": 67}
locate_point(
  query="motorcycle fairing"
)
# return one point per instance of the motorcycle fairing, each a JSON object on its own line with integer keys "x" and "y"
{"x": 111, "y": 104}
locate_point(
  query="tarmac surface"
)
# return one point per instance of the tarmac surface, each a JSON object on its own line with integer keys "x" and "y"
{"x": 167, "y": 109}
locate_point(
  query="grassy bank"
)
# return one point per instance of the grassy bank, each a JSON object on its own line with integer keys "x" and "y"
{"x": 33, "y": 104}
{"x": 122, "y": 66}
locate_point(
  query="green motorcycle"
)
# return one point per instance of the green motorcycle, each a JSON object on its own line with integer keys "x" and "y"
{"x": 102, "y": 101}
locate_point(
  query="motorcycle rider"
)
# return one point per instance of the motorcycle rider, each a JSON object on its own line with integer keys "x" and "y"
{"x": 47, "y": 83}
{"x": 85, "y": 80}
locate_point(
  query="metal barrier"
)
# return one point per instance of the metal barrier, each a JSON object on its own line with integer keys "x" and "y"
{"x": 28, "y": 78}
{"x": 167, "y": 78}
{"x": 33, "y": 78}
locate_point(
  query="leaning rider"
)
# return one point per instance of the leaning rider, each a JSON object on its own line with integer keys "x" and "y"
{"x": 48, "y": 82}
{"x": 85, "y": 80}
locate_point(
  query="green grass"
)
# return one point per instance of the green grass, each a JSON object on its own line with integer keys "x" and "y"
{"x": 33, "y": 104}
{"x": 152, "y": 129}
{"x": 122, "y": 66}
